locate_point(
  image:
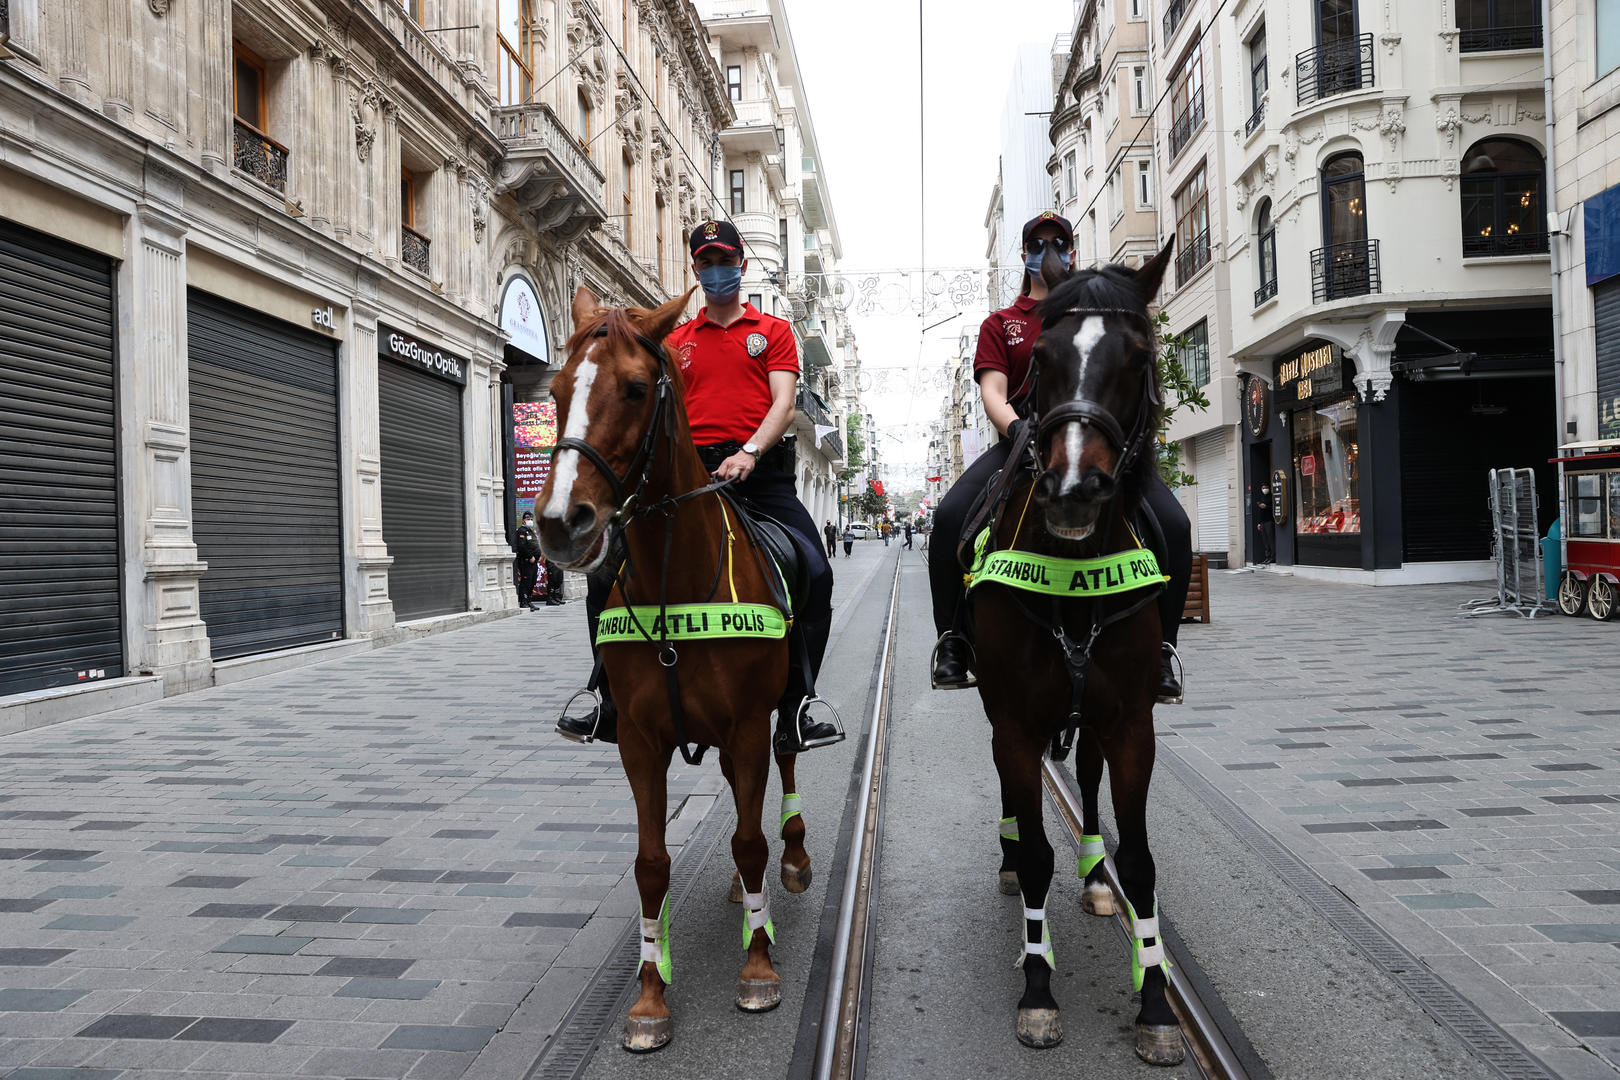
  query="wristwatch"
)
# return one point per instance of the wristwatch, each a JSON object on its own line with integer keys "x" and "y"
{"x": 751, "y": 448}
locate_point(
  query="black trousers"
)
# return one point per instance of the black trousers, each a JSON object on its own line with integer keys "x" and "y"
{"x": 832, "y": 546}
{"x": 771, "y": 492}
{"x": 527, "y": 572}
{"x": 945, "y": 575}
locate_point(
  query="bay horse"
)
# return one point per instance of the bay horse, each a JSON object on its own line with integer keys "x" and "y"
{"x": 1060, "y": 670}
{"x": 627, "y": 478}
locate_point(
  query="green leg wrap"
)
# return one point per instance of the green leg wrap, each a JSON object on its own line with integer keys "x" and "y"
{"x": 1009, "y": 828}
{"x": 1145, "y": 956}
{"x": 1091, "y": 853}
{"x": 657, "y": 950}
{"x": 791, "y": 806}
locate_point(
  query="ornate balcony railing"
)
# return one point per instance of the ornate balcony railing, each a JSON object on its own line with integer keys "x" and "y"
{"x": 1518, "y": 243}
{"x": 1193, "y": 259}
{"x": 1336, "y": 68}
{"x": 1265, "y": 292}
{"x": 1173, "y": 13}
{"x": 260, "y": 156}
{"x": 1256, "y": 118}
{"x": 1182, "y": 128}
{"x": 1341, "y": 270}
{"x": 1494, "y": 38}
{"x": 548, "y": 171}
{"x": 413, "y": 249}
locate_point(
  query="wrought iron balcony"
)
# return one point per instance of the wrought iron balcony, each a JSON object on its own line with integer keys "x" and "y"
{"x": 813, "y": 409}
{"x": 1173, "y": 13}
{"x": 1265, "y": 292}
{"x": 1508, "y": 243}
{"x": 1193, "y": 259}
{"x": 260, "y": 156}
{"x": 1335, "y": 68}
{"x": 413, "y": 249}
{"x": 1342, "y": 270}
{"x": 548, "y": 171}
{"x": 1256, "y": 118}
{"x": 1182, "y": 128}
{"x": 1494, "y": 38}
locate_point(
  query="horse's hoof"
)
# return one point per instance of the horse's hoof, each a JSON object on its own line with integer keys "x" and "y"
{"x": 758, "y": 995}
{"x": 1039, "y": 1028}
{"x": 644, "y": 1034}
{"x": 795, "y": 879}
{"x": 736, "y": 894}
{"x": 1008, "y": 881}
{"x": 1098, "y": 899}
{"x": 1159, "y": 1044}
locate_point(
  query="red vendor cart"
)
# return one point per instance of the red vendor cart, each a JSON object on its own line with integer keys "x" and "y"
{"x": 1589, "y": 491}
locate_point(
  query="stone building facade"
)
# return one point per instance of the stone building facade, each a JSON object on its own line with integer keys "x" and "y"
{"x": 291, "y": 261}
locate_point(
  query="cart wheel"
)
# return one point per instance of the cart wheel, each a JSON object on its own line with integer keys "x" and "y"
{"x": 1600, "y": 599}
{"x": 1571, "y": 594}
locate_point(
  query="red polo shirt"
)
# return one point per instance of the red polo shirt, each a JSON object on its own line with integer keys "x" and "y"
{"x": 728, "y": 391}
{"x": 1006, "y": 338}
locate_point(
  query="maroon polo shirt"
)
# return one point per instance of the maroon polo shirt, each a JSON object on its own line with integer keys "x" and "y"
{"x": 728, "y": 388}
{"x": 1006, "y": 338}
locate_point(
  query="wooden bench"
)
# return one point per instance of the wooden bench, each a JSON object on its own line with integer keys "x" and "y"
{"x": 1198, "y": 591}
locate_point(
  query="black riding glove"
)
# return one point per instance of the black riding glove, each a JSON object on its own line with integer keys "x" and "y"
{"x": 1015, "y": 428}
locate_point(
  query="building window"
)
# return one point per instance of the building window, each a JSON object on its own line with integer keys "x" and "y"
{"x": 782, "y": 238}
{"x": 1342, "y": 59}
{"x": 628, "y": 185}
{"x": 1139, "y": 89}
{"x": 1502, "y": 199}
{"x": 514, "y": 71}
{"x": 414, "y": 248}
{"x": 1088, "y": 151}
{"x": 251, "y": 88}
{"x": 1192, "y": 227}
{"x": 583, "y": 117}
{"x": 1193, "y": 356}
{"x": 413, "y": 8}
{"x": 255, "y": 152}
{"x": 1069, "y": 185}
{"x": 658, "y": 226}
{"x": 758, "y": 300}
{"x": 1144, "y": 185}
{"x": 1608, "y": 36}
{"x": 1347, "y": 264}
{"x": 737, "y": 191}
{"x": 1186, "y": 101}
{"x": 1136, "y": 9}
{"x": 734, "y": 82}
{"x": 1488, "y": 25}
{"x": 1110, "y": 108}
{"x": 1327, "y": 474}
{"x": 1114, "y": 207}
{"x": 1259, "y": 80}
{"x": 1266, "y": 253}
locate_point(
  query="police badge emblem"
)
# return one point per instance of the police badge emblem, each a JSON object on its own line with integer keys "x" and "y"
{"x": 756, "y": 344}
{"x": 711, "y": 230}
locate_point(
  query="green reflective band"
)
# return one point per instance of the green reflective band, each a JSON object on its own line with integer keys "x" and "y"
{"x": 656, "y": 951}
{"x": 1109, "y": 575}
{"x": 790, "y": 808}
{"x": 1145, "y": 956}
{"x": 690, "y": 622}
{"x": 1009, "y": 828}
{"x": 1091, "y": 853}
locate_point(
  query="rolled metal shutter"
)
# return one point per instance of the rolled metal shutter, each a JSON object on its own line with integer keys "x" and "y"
{"x": 60, "y": 616}
{"x": 423, "y": 497}
{"x": 1606, "y": 317}
{"x": 1209, "y": 466}
{"x": 266, "y": 501}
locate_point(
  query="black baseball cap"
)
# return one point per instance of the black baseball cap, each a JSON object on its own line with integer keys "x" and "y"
{"x": 720, "y": 234}
{"x": 1049, "y": 218}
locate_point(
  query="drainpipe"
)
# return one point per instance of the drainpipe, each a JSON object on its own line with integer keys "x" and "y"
{"x": 1556, "y": 234}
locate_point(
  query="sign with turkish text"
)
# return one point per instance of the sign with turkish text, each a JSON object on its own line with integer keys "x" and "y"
{"x": 523, "y": 321}
{"x": 416, "y": 353}
{"x": 534, "y": 433}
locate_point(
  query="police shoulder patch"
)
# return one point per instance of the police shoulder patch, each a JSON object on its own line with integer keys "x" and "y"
{"x": 756, "y": 343}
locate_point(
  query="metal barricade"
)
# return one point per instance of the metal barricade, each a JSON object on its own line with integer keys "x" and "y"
{"x": 1515, "y": 548}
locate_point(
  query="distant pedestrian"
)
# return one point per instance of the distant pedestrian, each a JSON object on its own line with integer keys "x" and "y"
{"x": 526, "y": 569}
{"x": 554, "y": 584}
{"x": 849, "y": 541}
{"x": 908, "y": 534}
{"x": 831, "y": 534}
{"x": 883, "y": 530}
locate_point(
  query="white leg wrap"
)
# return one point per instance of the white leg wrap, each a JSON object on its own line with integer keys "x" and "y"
{"x": 1009, "y": 828}
{"x": 1041, "y": 948}
{"x": 1151, "y": 955}
{"x": 650, "y": 952}
{"x": 1146, "y": 928}
{"x": 649, "y": 928}
{"x": 1035, "y": 914}
{"x": 756, "y": 916}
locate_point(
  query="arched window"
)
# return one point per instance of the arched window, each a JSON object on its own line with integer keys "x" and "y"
{"x": 1347, "y": 264}
{"x": 1502, "y": 199}
{"x": 1265, "y": 246}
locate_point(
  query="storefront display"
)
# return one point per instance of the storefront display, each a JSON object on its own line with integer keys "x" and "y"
{"x": 1327, "y": 481}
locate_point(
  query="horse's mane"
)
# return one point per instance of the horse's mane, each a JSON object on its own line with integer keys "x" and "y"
{"x": 1114, "y": 287}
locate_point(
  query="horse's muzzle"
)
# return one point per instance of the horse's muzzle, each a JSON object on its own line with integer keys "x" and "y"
{"x": 576, "y": 540}
{"x": 1072, "y": 514}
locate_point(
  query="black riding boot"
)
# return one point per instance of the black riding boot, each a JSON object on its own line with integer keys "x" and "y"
{"x": 953, "y": 663}
{"x": 601, "y": 724}
{"x": 1169, "y": 678}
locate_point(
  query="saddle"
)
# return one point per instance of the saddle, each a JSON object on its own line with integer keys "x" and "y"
{"x": 790, "y": 583}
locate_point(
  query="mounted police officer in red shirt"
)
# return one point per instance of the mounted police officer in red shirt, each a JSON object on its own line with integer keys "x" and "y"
{"x": 741, "y": 371}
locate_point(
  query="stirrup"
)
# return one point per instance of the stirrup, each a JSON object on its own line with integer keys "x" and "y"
{"x": 568, "y": 705}
{"x": 799, "y": 718}
{"x": 1181, "y": 674}
{"x": 933, "y": 664}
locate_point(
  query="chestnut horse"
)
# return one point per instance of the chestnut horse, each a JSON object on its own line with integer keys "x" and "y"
{"x": 626, "y": 472}
{"x": 1053, "y": 669}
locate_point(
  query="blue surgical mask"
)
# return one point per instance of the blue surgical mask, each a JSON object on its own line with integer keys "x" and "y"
{"x": 720, "y": 283}
{"x": 1032, "y": 263}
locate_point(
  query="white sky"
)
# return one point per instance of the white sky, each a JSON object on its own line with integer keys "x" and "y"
{"x": 859, "y": 63}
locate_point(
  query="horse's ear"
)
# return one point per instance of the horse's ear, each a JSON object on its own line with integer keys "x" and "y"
{"x": 1151, "y": 273}
{"x": 585, "y": 306}
{"x": 663, "y": 318}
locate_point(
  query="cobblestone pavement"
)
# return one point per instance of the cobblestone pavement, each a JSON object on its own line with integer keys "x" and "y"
{"x": 1455, "y": 777}
{"x": 366, "y": 868}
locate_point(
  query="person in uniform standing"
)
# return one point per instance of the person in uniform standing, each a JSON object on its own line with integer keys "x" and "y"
{"x": 526, "y": 569}
{"x": 1002, "y": 368}
{"x": 741, "y": 371}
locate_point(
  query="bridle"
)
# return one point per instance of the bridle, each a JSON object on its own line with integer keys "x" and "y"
{"x": 1089, "y": 413}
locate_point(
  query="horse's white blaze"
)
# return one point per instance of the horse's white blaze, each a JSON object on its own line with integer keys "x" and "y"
{"x": 565, "y": 470}
{"x": 1085, "y": 339}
